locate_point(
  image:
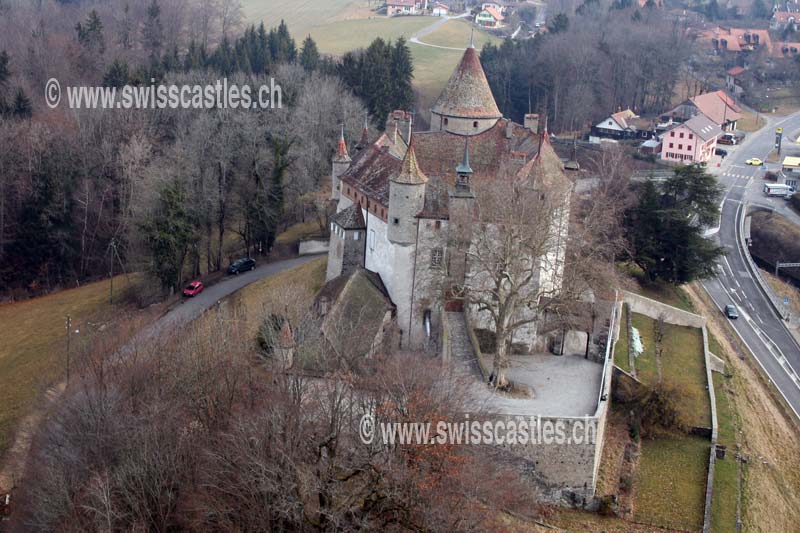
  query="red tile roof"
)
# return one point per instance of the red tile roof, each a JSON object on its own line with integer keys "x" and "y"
{"x": 735, "y": 71}
{"x": 717, "y": 106}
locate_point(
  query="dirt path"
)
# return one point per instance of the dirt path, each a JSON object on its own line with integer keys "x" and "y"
{"x": 13, "y": 466}
{"x": 415, "y": 38}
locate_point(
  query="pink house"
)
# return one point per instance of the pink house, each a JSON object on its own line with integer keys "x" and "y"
{"x": 693, "y": 141}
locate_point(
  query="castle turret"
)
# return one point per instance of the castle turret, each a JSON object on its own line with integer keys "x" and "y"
{"x": 406, "y": 199}
{"x": 466, "y": 105}
{"x": 347, "y": 243}
{"x": 340, "y": 164}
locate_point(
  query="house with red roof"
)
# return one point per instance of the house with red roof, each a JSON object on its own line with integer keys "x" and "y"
{"x": 489, "y": 17}
{"x": 716, "y": 105}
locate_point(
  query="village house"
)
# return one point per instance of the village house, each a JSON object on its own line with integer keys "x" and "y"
{"x": 693, "y": 141}
{"x": 489, "y": 18}
{"x": 736, "y": 41}
{"x": 401, "y": 7}
{"x": 790, "y": 171}
{"x": 440, "y": 10}
{"x": 716, "y": 105}
{"x": 624, "y": 125}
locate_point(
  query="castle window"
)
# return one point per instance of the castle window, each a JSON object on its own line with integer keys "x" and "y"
{"x": 475, "y": 124}
{"x": 355, "y": 236}
{"x": 445, "y": 122}
{"x": 371, "y": 239}
{"x": 437, "y": 257}
{"x": 395, "y": 221}
{"x": 438, "y": 224}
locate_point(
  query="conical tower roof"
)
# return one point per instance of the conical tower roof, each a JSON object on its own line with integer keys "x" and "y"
{"x": 410, "y": 172}
{"x": 341, "y": 150}
{"x": 467, "y": 93}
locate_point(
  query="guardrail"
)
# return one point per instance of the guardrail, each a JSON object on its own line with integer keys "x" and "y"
{"x": 774, "y": 301}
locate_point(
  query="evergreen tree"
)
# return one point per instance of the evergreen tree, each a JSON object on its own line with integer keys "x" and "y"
{"x": 21, "y": 107}
{"x": 760, "y": 10}
{"x": 665, "y": 228}
{"x": 117, "y": 74}
{"x": 90, "y": 34}
{"x": 5, "y": 70}
{"x": 559, "y": 23}
{"x": 309, "y": 54}
{"x": 169, "y": 233}
{"x": 281, "y": 45}
{"x": 153, "y": 32}
{"x": 403, "y": 74}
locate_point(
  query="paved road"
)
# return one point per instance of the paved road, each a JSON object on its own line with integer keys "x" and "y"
{"x": 188, "y": 310}
{"x": 191, "y": 308}
{"x": 759, "y": 326}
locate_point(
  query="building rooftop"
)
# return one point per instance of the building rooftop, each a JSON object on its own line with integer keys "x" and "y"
{"x": 467, "y": 93}
{"x": 717, "y": 106}
{"x": 702, "y": 126}
{"x": 350, "y": 218}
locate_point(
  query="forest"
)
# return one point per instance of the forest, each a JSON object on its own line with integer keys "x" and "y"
{"x": 169, "y": 192}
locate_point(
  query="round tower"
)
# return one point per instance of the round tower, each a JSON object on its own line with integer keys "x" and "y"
{"x": 406, "y": 199}
{"x": 340, "y": 164}
{"x": 466, "y": 105}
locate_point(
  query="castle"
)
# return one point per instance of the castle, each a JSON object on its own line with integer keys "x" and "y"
{"x": 401, "y": 198}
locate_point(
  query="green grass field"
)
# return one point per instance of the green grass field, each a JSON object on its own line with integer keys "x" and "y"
{"x": 342, "y": 36}
{"x": 32, "y": 351}
{"x": 670, "y": 482}
{"x": 302, "y": 15}
{"x": 682, "y": 363}
{"x": 456, "y": 33}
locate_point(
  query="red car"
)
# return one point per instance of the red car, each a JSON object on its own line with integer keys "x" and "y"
{"x": 194, "y": 288}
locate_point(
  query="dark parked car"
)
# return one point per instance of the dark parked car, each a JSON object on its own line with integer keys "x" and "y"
{"x": 242, "y": 265}
{"x": 731, "y": 312}
{"x": 721, "y": 151}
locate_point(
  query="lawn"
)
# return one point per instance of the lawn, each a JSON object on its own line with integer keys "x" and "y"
{"x": 682, "y": 363}
{"x": 302, "y": 15}
{"x": 723, "y": 506}
{"x": 32, "y": 351}
{"x": 670, "y": 482}
{"x": 456, "y": 34}
{"x": 750, "y": 121}
{"x": 343, "y": 36}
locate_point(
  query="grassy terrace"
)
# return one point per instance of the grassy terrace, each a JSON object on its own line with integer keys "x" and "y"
{"x": 670, "y": 482}
{"x": 682, "y": 363}
{"x": 33, "y": 347}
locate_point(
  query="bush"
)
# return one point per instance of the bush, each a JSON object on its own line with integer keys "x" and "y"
{"x": 658, "y": 409}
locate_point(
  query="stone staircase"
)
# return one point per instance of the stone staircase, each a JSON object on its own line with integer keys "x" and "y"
{"x": 462, "y": 355}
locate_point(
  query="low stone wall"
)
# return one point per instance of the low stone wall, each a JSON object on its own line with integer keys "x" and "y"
{"x": 314, "y": 246}
{"x": 774, "y": 300}
{"x": 653, "y": 309}
{"x": 564, "y": 471}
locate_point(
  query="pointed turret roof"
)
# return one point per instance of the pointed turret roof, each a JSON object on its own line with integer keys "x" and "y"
{"x": 467, "y": 93}
{"x": 410, "y": 172}
{"x": 364, "y": 134}
{"x": 341, "y": 150}
{"x": 464, "y": 167}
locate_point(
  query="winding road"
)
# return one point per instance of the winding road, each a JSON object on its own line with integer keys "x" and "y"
{"x": 177, "y": 317}
{"x": 760, "y": 327}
